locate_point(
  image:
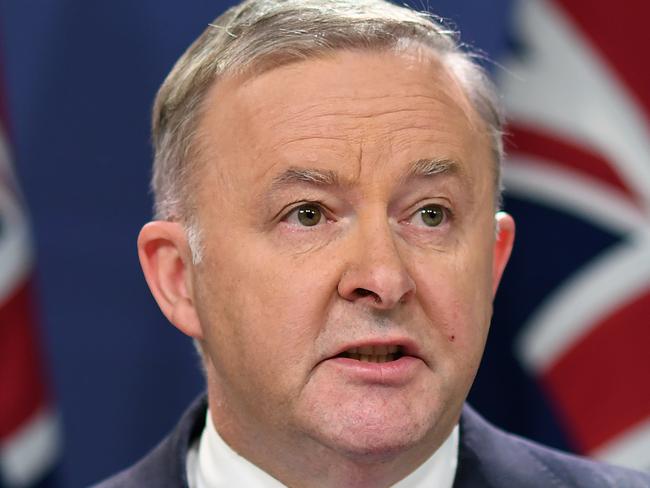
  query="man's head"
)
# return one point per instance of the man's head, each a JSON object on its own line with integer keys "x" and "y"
{"x": 261, "y": 34}
{"x": 345, "y": 196}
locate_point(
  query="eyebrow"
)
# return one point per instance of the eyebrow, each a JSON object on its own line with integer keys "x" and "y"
{"x": 310, "y": 176}
{"x": 432, "y": 167}
{"x": 318, "y": 177}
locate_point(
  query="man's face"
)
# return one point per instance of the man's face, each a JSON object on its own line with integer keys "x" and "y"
{"x": 346, "y": 205}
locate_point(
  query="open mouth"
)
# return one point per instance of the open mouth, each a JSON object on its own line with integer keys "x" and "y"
{"x": 373, "y": 354}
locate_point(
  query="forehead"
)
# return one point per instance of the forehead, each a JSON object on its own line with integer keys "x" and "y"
{"x": 351, "y": 111}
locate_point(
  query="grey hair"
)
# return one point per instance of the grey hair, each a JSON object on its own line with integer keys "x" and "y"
{"x": 258, "y": 35}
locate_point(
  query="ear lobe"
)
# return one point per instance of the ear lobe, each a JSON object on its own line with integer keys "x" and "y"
{"x": 503, "y": 246}
{"x": 166, "y": 261}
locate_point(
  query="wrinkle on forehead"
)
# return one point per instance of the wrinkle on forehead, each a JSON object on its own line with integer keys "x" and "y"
{"x": 358, "y": 123}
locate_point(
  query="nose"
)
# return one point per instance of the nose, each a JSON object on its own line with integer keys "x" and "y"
{"x": 375, "y": 273}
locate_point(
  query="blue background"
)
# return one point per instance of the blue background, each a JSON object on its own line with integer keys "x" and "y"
{"x": 81, "y": 76}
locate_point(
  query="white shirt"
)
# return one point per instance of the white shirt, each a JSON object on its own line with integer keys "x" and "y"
{"x": 211, "y": 463}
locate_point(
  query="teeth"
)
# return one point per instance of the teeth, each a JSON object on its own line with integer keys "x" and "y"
{"x": 380, "y": 350}
{"x": 367, "y": 350}
{"x": 374, "y": 350}
{"x": 373, "y": 354}
{"x": 368, "y": 358}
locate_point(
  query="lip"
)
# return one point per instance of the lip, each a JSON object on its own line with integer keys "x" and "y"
{"x": 409, "y": 347}
{"x": 392, "y": 373}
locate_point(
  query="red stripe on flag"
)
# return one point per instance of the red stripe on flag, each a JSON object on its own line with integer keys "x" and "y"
{"x": 620, "y": 32}
{"x": 600, "y": 385}
{"x": 22, "y": 386}
{"x": 567, "y": 155}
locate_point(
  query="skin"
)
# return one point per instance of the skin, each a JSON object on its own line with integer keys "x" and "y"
{"x": 273, "y": 300}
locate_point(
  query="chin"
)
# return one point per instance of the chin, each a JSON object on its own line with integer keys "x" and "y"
{"x": 374, "y": 436}
{"x": 375, "y": 449}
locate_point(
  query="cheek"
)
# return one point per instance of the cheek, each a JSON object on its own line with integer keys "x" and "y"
{"x": 263, "y": 307}
{"x": 455, "y": 292}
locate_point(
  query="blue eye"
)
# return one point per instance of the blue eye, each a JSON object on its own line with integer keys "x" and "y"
{"x": 307, "y": 215}
{"x": 431, "y": 215}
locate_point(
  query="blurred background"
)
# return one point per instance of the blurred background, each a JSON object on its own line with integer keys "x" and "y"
{"x": 91, "y": 375}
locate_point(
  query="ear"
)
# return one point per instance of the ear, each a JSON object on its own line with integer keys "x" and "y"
{"x": 505, "y": 226}
{"x": 166, "y": 261}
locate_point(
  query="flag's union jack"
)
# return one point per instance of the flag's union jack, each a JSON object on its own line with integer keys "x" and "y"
{"x": 29, "y": 431}
{"x": 578, "y": 96}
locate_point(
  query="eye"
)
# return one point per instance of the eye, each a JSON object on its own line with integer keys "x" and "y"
{"x": 430, "y": 215}
{"x": 307, "y": 215}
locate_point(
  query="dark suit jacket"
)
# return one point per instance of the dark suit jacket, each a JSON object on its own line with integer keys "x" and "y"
{"x": 488, "y": 458}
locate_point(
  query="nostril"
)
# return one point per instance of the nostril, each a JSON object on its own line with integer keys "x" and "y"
{"x": 363, "y": 292}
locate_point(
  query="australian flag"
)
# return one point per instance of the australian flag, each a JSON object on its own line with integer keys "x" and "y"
{"x": 29, "y": 428}
{"x": 576, "y": 297}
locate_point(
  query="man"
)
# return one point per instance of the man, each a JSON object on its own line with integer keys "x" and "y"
{"x": 326, "y": 181}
